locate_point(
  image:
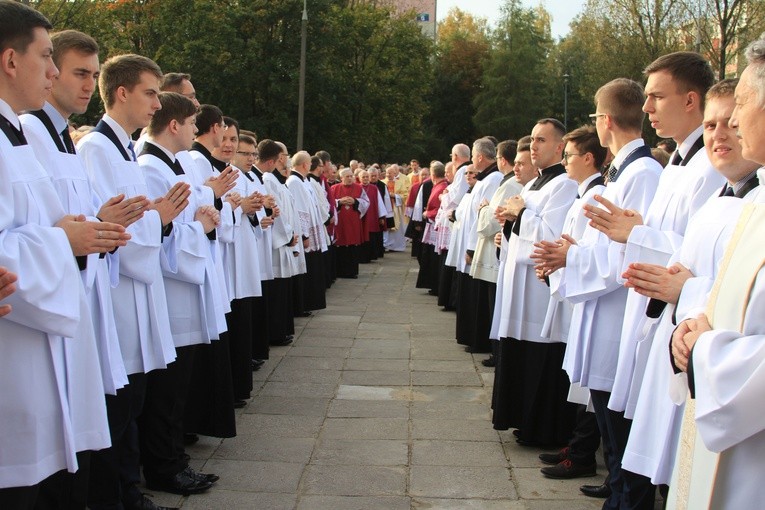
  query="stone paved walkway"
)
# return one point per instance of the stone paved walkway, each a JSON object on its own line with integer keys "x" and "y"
{"x": 375, "y": 406}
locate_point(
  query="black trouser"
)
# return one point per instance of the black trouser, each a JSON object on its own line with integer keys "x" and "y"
{"x": 161, "y": 423}
{"x": 629, "y": 491}
{"x": 586, "y": 440}
{"x": 114, "y": 471}
{"x": 65, "y": 490}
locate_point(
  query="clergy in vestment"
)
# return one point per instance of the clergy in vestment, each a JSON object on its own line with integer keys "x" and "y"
{"x": 534, "y": 401}
{"x": 52, "y": 396}
{"x": 398, "y": 189}
{"x": 374, "y": 219}
{"x": 188, "y": 285}
{"x": 129, "y": 85}
{"x": 352, "y": 203}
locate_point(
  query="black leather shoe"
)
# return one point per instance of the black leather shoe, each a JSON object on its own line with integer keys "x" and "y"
{"x": 181, "y": 484}
{"x": 146, "y": 504}
{"x": 304, "y": 314}
{"x": 286, "y": 341}
{"x": 202, "y": 477}
{"x": 489, "y": 362}
{"x": 596, "y": 491}
{"x": 566, "y": 470}
{"x": 554, "y": 458}
{"x": 238, "y": 404}
{"x": 190, "y": 439}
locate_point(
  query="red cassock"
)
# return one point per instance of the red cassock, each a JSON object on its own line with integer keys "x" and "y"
{"x": 372, "y": 217}
{"x": 412, "y": 198}
{"x": 350, "y": 229}
{"x": 434, "y": 203}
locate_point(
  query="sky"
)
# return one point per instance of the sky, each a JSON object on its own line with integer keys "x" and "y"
{"x": 563, "y": 11}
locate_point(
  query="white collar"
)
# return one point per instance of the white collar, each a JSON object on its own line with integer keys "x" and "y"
{"x": 685, "y": 147}
{"x": 7, "y": 112}
{"x": 58, "y": 120}
{"x": 160, "y": 147}
{"x": 122, "y": 136}
{"x": 583, "y": 187}
{"x": 626, "y": 151}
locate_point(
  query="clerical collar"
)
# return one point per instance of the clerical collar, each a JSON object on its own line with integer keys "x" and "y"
{"x": 279, "y": 177}
{"x": 196, "y": 146}
{"x": 258, "y": 173}
{"x": 298, "y": 175}
{"x": 625, "y": 151}
{"x": 466, "y": 163}
{"x": 312, "y": 177}
{"x": 585, "y": 186}
{"x": 122, "y": 135}
{"x": 58, "y": 120}
{"x": 761, "y": 175}
{"x": 507, "y": 177}
{"x": 685, "y": 147}
{"x": 486, "y": 171}
{"x": 7, "y": 112}
{"x": 244, "y": 172}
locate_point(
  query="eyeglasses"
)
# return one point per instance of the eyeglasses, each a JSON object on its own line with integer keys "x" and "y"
{"x": 567, "y": 155}
{"x": 594, "y": 116}
{"x": 223, "y": 125}
{"x": 250, "y": 154}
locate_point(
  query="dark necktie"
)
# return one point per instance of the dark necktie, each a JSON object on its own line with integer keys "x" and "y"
{"x": 131, "y": 151}
{"x": 677, "y": 158}
{"x": 68, "y": 143}
{"x": 177, "y": 168}
{"x": 728, "y": 191}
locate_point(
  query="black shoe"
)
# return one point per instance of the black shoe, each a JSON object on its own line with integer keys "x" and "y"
{"x": 201, "y": 477}
{"x": 146, "y": 504}
{"x": 517, "y": 433}
{"x": 238, "y": 404}
{"x": 596, "y": 491}
{"x": 566, "y": 470}
{"x": 190, "y": 439}
{"x": 287, "y": 340}
{"x": 181, "y": 484}
{"x": 448, "y": 309}
{"x": 489, "y": 362}
{"x": 303, "y": 314}
{"x": 432, "y": 293}
{"x": 554, "y": 458}
{"x": 257, "y": 363}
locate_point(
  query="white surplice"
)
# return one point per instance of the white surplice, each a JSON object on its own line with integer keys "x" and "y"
{"x": 140, "y": 304}
{"x": 287, "y": 225}
{"x": 524, "y": 297}
{"x": 682, "y": 191}
{"x": 590, "y": 281}
{"x": 485, "y": 264}
{"x": 52, "y": 396}
{"x": 307, "y": 207}
{"x": 73, "y": 188}
{"x": 656, "y": 422}
{"x": 188, "y": 283}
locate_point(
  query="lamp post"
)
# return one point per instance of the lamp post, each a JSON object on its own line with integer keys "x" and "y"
{"x": 565, "y": 100}
{"x": 301, "y": 87}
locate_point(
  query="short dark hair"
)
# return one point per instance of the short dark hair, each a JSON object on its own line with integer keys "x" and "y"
{"x": 586, "y": 140}
{"x": 124, "y": 71}
{"x": 558, "y": 125}
{"x": 323, "y": 156}
{"x": 72, "y": 40}
{"x": 524, "y": 144}
{"x": 208, "y": 116}
{"x": 249, "y": 133}
{"x": 172, "y": 81}
{"x": 315, "y": 162}
{"x": 230, "y": 121}
{"x": 688, "y": 69}
{"x": 268, "y": 150}
{"x": 174, "y": 107}
{"x": 507, "y": 150}
{"x": 246, "y": 139}
{"x": 17, "y": 25}
{"x": 622, "y": 99}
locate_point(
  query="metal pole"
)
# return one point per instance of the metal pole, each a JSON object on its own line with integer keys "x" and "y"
{"x": 301, "y": 89}
{"x": 565, "y": 100}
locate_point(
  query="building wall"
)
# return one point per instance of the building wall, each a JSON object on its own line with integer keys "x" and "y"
{"x": 425, "y": 10}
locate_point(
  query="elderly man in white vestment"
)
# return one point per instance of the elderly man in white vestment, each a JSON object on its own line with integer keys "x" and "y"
{"x": 719, "y": 464}
{"x": 52, "y": 396}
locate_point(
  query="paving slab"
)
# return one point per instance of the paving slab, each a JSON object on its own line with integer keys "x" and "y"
{"x": 376, "y": 407}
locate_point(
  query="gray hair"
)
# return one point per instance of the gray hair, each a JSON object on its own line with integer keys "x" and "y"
{"x": 755, "y": 56}
{"x": 437, "y": 169}
{"x": 461, "y": 150}
{"x": 485, "y": 148}
{"x": 345, "y": 171}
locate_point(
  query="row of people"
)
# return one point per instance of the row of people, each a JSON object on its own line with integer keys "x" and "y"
{"x": 595, "y": 270}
